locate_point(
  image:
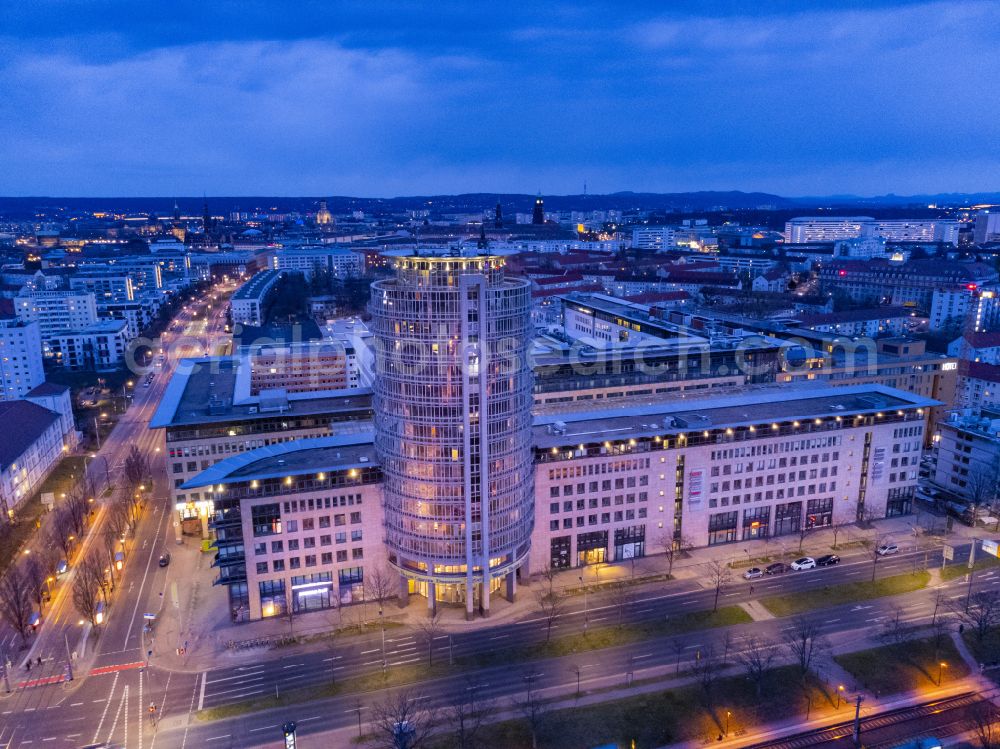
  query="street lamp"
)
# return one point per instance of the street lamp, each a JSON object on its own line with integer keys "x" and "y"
{"x": 941, "y": 666}
{"x": 840, "y": 691}
{"x": 381, "y": 621}
{"x": 728, "y": 716}
{"x": 586, "y": 608}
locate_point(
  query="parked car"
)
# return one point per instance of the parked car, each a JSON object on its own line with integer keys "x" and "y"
{"x": 753, "y": 573}
{"x": 776, "y": 569}
{"x": 828, "y": 560}
{"x": 164, "y": 559}
{"x": 886, "y": 549}
{"x": 805, "y": 563}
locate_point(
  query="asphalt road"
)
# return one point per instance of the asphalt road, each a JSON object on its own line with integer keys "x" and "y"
{"x": 109, "y": 702}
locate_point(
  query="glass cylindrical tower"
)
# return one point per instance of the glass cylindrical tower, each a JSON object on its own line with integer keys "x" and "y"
{"x": 453, "y": 395}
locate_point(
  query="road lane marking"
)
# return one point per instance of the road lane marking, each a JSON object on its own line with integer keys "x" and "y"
{"x": 201, "y": 698}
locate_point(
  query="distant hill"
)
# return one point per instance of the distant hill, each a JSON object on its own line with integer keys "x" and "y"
{"x": 680, "y": 202}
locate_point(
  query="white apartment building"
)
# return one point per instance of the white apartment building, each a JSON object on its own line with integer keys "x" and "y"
{"x": 832, "y": 228}
{"x": 99, "y": 347}
{"x": 27, "y": 452}
{"x": 20, "y": 358}
{"x": 967, "y": 454}
{"x": 337, "y": 261}
{"x": 655, "y": 237}
{"x": 826, "y": 228}
{"x": 249, "y": 304}
{"x": 978, "y": 385}
{"x": 104, "y": 287}
{"x": 865, "y": 247}
{"x": 987, "y": 226}
{"x": 970, "y": 307}
{"x": 57, "y": 311}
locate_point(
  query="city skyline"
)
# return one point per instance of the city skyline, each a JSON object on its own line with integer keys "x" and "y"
{"x": 398, "y": 100}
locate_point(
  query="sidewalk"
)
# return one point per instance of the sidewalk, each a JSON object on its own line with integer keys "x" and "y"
{"x": 196, "y": 613}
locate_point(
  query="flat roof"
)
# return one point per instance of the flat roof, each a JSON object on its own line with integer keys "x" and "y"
{"x": 203, "y": 391}
{"x": 747, "y": 407}
{"x": 252, "y": 288}
{"x": 335, "y": 453}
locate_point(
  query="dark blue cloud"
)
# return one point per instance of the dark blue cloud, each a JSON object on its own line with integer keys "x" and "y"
{"x": 257, "y": 97}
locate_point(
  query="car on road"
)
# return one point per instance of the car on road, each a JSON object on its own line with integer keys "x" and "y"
{"x": 887, "y": 549}
{"x": 753, "y": 573}
{"x": 165, "y": 559}
{"x": 805, "y": 563}
{"x": 828, "y": 560}
{"x": 776, "y": 569}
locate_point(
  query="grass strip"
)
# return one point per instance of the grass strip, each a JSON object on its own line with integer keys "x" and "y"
{"x": 834, "y": 595}
{"x": 906, "y": 666}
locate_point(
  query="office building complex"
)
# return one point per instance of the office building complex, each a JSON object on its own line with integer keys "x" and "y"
{"x": 452, "y": 408}
{"x": 832, "y": 228}
{"x": 338, "y": 262}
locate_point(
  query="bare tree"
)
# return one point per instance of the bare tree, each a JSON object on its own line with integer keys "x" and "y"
{"x": 679, "y": 646}
{"x": 621, "y": 598}
{"x": 379, "y": 587}
{"x": 15, "y": 601}
{"x": 719, "y": 576}
{"x": 673, "y": 548}
{"x": 756, "y": 658}
{"x": 981, "y": 613}
{"x": 467, "y": 715}
{"x": 36, "y": 569}
{"x": 401, "y": 722}
{"x": 837, "y": 528}
{"x": 531, "y": 707}
{"x": 981, "y": 488}
{"x": 76, "y": 507}
{"x": 109, "y": 539}
{"x": 551, "y": 607}
{"x": 804, "y": 644}
{"x": 706, "y": 671}
{"x": 87, "y": 588}
{"x": 429, "y": 629}
{"x": 894, "y": 630}
{"x": 548, "y": 574}
{"x": 60, "y": 533}
{"x": 727, "y": 646}
{"x": 135, "y": 469}
{"x": 986, "y": 720}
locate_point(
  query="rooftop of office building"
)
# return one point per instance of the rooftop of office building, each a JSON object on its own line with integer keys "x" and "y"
{"x": 750, "y": 407}
{"x": 209, "y": 390}
{"x": 252, "y": 288}
{"x": 335, "y": 453}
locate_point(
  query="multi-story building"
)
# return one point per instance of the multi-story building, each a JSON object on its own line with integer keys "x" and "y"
{"x": 301, "y": 367}
{"x": 56, "y": 311}
{"x": 20, "y": 358}
{"x": 977, "y": 347}
{"x": 250, "y": 303}
{"x": 290, "y": 538}
{"x": 453, "y": 424}
{"x": 978, "y": 385}
{"x": 339, "y": 262}
{"x": 970, "y": 307}
{"x": 105, "y": 287}
{"x": 987, "y": 226}
{"x": 825, "y": 228}
{"x": 910, "y": 284}
{"x": 610, "y": 485}
{"x": 654, "y": 237}
{"x": 29, "y": 449}
{"x": 758, "y": 464}
{"x": 967, "y": 454}
{"x": 99, "y": 347}
{"x": 863, "y": 322}
{"x": 208, "y": 413}
{"x": 831, "y": 228}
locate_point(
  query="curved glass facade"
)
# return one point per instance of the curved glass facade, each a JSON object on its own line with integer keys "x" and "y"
{"x": 453, "y": 395}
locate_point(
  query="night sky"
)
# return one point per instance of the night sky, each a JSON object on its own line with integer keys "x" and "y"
{"x": 380, "y": 99}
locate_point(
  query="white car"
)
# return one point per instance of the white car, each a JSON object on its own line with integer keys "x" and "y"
{"x": 805, "y": 563}
{"x": 887, "y": 549}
